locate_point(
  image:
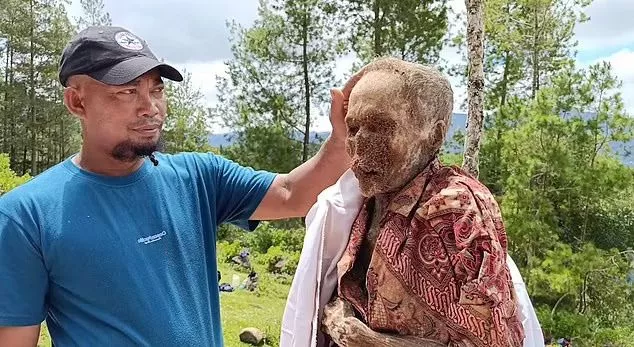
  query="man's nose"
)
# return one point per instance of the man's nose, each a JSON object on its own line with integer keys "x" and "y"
{"x": 148, "y": 106}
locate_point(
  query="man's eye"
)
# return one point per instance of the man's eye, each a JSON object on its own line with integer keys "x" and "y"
{"x": 159, "y": 89}
{"x": 352, "y": 130}
{"x": 128, "y": 91}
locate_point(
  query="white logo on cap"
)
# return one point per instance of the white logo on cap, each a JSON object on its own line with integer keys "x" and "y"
{"x": 129, "y": 41}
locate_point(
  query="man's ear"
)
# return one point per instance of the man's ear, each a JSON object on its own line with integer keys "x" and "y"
{"x": 74, "y": 102}
{"x": 437, "y": 134}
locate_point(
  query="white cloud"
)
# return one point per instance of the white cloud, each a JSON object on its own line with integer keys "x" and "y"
{"x": 204, "y": 77}
{"x": 610, "y": 26}
{"x": 191, "y": 34}
{"x": 180, "y": 30}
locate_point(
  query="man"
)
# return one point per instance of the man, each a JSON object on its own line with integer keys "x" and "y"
{"x": 116, "y": 245}
{"x": 426, "y": 257}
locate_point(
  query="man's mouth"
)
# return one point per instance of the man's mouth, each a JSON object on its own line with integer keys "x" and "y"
{"x": 148, "y": 130}
{"x": 366, "y": 170}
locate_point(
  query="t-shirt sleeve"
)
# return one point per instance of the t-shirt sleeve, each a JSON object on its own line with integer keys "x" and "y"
{"x": 239, "y": 191}
{"x": 23, "y": 276}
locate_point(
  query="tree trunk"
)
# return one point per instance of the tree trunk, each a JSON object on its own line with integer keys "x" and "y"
{"x": 475, "y": 87}
{"x": 32, "y": 95}
{"x": 12, "y": 114}
{"x": 6, "y": 140}
{"x": 306, "y": 85}
{"x": 535, "y": 57}
{"x": 377, "y": 28}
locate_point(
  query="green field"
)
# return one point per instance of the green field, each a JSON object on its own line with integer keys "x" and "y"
{"x": 241, "y": 309}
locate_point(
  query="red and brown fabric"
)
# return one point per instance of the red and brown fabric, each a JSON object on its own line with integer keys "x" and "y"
{"x": 438, "y": 269}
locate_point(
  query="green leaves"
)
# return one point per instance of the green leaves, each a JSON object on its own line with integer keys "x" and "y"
{"x": 412, "y": 30}
{"x": 8, "y": 178}
{"x": 566, "y": 200}
{"x": 185, "y": 127}
{"x": 279, "y": 78}
{"x": 35, "y": 128}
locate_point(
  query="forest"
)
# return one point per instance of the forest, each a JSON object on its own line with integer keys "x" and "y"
{"x": 554, "y": 141}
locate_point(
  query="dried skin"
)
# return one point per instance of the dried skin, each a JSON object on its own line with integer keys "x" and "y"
{"x": 391, "y": 137}
{"x": 397, "y": 118}
{"x": 346, "y": 330}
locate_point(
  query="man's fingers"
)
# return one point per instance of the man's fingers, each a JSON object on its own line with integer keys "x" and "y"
{"x": 336, "y": 104}
{"x": 352, "y": 81}
{"x": 338, "y": 114}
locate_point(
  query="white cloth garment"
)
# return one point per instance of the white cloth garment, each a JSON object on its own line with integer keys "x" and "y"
{"x": 328, "y": 225}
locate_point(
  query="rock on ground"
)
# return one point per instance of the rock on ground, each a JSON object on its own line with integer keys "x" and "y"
{"x": 252, "y": 336}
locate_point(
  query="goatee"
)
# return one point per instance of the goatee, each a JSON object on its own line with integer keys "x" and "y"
{"x": 130, "y": 151}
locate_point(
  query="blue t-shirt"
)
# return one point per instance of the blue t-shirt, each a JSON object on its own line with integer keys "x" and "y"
{"x": 123, "y": 261}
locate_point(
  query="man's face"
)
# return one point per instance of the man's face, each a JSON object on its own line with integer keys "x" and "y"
{"x": 125, "y": 120}
{"x": 383, "y": 140}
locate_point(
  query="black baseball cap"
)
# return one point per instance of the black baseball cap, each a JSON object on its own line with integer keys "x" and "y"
{"x": 111, "y": 55}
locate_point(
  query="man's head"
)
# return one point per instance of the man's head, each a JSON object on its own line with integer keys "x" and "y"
{"x": 113, "y": 84}
{"x": 398, "y": 116}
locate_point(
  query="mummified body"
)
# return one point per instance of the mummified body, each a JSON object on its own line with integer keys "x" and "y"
{"x": 426, "y": 257}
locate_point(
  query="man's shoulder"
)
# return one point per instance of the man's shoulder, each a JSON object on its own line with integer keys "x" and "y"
{"x": 42, "y": 190}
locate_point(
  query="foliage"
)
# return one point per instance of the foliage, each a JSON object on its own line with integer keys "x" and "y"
{"x": 35, "y": 128}
{"x": 412, "y": 30}
{"x": 280, "y": 74}
{"x": 561, "y": 189}
{"x": 277, "y": 254}
{"x": 267, "y": 236}
{"x": 8, "y": 178}
{"x": 227, "y": 250}
{"x": 186, "y": 122}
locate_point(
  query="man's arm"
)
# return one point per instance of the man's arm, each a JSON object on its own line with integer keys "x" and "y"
{"x": 23, "y": 281}
{"x": 341, "y": 325}
{"x": 19, "y": 336}
{"x": 292, "y": 195}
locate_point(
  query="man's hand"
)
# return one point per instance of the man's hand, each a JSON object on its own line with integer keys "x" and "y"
{"x": 346, "y": 330}
{"x": 339, "y": 107}
{"x": 342, "y": 326}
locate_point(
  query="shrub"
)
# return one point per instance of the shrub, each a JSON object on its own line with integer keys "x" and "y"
{"x": 226, "y": 251}
{"x": 8, "y": 178}
{"x": 266, "y": 236}
{"x": 275, "y": 255}
{"x": 230, "y": 233}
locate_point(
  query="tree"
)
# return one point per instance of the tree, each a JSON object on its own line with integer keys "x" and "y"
{"x": 564, "y": 186}
{"x": 281, "y": 71}
{"x": 94, "y": 13}
{"x": 412, "y": 30}
{"x": 186, "y": 128}
{"x": 528, "y": 42}
{"x": 475, "y": 88}
{"x": 37, "y": 131}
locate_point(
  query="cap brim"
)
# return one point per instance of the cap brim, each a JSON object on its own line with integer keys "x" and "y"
{"x": 128, "y": 70}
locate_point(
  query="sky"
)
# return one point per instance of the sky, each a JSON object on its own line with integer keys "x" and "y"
{"x": 193, "y": 36}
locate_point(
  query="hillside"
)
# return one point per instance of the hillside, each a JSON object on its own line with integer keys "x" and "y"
{"x": 458, "y": 123}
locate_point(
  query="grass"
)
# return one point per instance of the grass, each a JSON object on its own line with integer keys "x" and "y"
{"x": 241, "y": 309}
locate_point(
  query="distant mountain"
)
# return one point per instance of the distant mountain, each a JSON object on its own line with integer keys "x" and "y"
{"x": 458, "y": 123}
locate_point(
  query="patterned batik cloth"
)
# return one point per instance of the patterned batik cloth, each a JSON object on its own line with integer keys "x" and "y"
{"x": 438, "y": 269}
